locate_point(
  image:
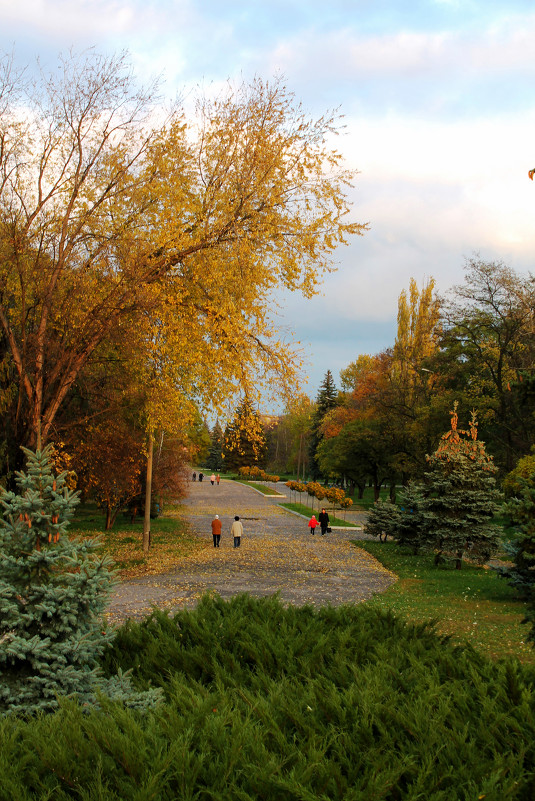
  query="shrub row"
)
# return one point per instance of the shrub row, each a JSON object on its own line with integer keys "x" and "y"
{"x": 256, "y": 473}
{"x": 267, "y": 702}
{"x": 334, "y": 495}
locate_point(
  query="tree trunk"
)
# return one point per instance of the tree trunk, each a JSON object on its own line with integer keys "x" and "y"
{"x": 148, "y": 494}
{"x": 376, "y": 488}
{"x": 108, "y": 523}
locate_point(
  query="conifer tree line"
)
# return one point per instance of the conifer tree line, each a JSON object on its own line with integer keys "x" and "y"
{"x": 140, "y": 246}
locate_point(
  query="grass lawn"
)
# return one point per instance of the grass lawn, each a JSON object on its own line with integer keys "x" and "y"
{"x": 472, "y": 604}
{"x": 368, "y": 499}
{"x": 263, "y": 488}
{"x": 307, "y": 512}
{"x": 171, "y": 540}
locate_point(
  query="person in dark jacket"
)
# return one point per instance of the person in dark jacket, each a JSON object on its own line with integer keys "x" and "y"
{"x": 323, "y": 520}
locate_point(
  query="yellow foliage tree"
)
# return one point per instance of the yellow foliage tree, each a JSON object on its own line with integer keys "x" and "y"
{"x": 106, "y": 217}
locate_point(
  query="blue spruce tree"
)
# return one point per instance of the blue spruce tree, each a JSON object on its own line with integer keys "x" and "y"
{"x": 53, "y": 592}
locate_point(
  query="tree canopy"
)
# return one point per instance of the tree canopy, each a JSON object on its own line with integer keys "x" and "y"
{"x": 175, "y": 231}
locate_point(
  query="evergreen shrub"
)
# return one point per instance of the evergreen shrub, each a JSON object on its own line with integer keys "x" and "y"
{"x": 383, "y": 519}
{"x": 53, "y": 592}
{"x": 268, "y": 702}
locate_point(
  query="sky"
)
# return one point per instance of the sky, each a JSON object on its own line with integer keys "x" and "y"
{"x": 438, "y": 106}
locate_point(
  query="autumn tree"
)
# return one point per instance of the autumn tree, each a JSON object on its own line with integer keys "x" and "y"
{"x": 244, "y": 438}
{"x": 105, "y": 217}
{"x": 386, "y": 422}
{"x": 404, "y": 395}
{"x": 290, "y": 437}
{"x": 109, "y": 465}
{"x": 488, "y": 351}
{"x": 361, "y": 451}
{"x": 521, "y": 476}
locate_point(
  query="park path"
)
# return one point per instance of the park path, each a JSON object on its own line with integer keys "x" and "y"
{"x": 277, "y": 554}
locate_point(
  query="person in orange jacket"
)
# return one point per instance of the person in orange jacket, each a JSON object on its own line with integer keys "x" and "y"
{"x": 216, "y": 531}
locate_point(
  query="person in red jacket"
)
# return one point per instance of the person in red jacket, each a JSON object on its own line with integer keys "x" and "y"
{"x": 216, "y": 530}
{"x": 312, "y": 523}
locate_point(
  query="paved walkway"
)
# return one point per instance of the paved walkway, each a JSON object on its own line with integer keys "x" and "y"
{"x": 277, "y": 554}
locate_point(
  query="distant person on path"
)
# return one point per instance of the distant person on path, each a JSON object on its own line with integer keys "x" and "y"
{"x": 323, "y": 519}
{"x": 217, "y": 478}
{"x": 201, "y": 476}
{"x": 237, "y": 531}
{"x": 312, "y": 523}
{"x": 194, "y": 476}
{"x": 212, "y": 479}
{"x": 216, "y": 530}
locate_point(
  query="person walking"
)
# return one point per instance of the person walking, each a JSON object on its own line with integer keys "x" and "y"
{"x": 194, "y": 476}
{"x": 312, "y": 523}
{"x": 237, "y": 531}
{"x": 201, "y": 476}
{"x": 217, "y": 479}
{"x": 216, "y": 530}
{"x": 323, "y": 519}
{"x": 212, "y": 479}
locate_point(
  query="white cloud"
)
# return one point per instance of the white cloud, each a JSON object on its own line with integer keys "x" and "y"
{"x": 345, "y": 55}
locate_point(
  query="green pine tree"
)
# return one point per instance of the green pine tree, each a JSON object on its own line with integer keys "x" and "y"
{"x": 383, "y": 519}
{"x": 411, "y": 529}
{"x": 215, "y": 454}
{"x": 460, "y": 498}
{"x": 53, "y": 591}
{"x": 325, "y": 401}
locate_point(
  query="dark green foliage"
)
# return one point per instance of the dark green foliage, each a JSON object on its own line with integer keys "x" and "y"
{"x": 411, "y": 525}
{"x": 325, "y": 401}
{"x": 215, "y": 454}
{"x": 461, "y": 499}
{"x": 53, "y": 592}
{"x": 273, "y": 703}
{"x": 521, "y": 547}
{"x": 383, "y": 519}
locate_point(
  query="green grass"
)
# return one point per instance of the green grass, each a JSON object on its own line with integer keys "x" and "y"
{"x": 368, "y": 498}
{"x": 472, "y": 604}
{"x": 171, "y": 539}
{"x": 263, "y": 488}
{"x": 307, "y": 512}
